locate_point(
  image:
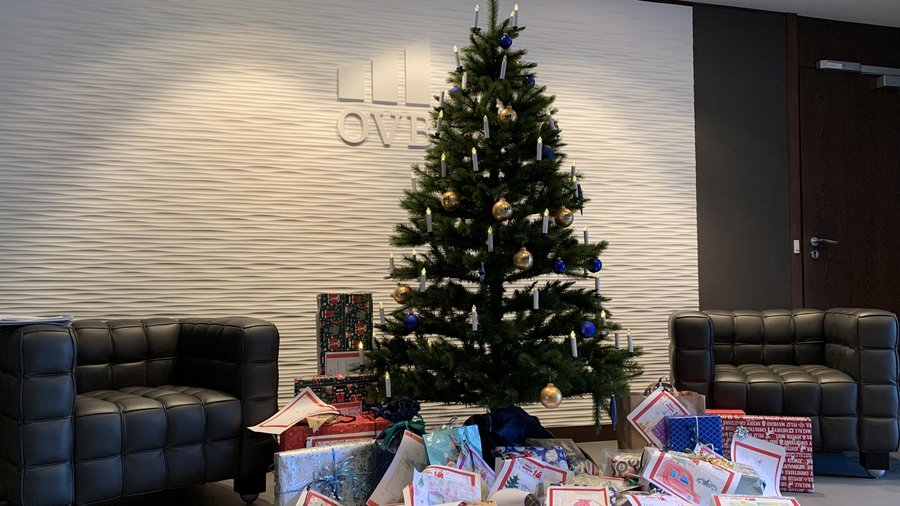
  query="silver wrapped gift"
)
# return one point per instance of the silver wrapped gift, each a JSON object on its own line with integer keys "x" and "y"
{"x": 342, "y": 471}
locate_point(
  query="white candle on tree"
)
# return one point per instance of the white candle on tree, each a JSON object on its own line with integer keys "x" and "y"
{"x": 487, "y": 127}
{"x": 422, "y": 281}
{"x": 387, "y": 385}
{"x": 585, "y": 235}
{"x": 546, "y": 225}
{"x": 597, "y": 286}
{"x": 540, "y": 149}
{"x": 381, "y": 313}
{"x": 428, "y": 220}
{"x": 573, "y": 169}
{"x": 474, "y": 160}
{"x": 490, "y": 239}
{"x": 630, "y": 342}
{"x": 474, "y": 318}
{"x": 391, "y": 263}
{"x": 516, "y": 15}
{"x": 412, "y": 178}
{"x": 443, "y": 164}
{"x": 617, "y": 339}
{"x": 456, "y": 55}
{"x": 574, "y": 343}
{"x": 440, "y": 120}
{"x": 503, "y": 68}
{"x": 536, "y": 299}
{"x": 476, "y": 16}
{"x": 441, "y": 104}
{"x": 551, "y": 122}
{"x": 465, "y": 79}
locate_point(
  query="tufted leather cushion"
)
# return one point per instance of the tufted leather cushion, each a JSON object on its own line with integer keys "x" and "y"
{"x": 775, "y": 336}
{"x": 142, "y": 439}
{"x": 825, "y": 395}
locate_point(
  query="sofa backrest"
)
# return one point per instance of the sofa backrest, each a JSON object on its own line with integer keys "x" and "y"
{"x": 113, "y": 354}
{"x": 774, "y": 336}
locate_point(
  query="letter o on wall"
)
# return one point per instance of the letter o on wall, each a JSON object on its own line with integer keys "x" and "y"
{"x": 363, "y": 127}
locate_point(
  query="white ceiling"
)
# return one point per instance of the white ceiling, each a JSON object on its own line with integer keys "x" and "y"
{"x": 873, "y": 12}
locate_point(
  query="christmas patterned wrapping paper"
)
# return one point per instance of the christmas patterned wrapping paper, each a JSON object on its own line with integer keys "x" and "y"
{"x": 361, "y": 427}
{"x": 344, "y": 321}
{"x": 683, "y": 433}
{"x": 349, "y": 465}
{"x": 351, "y": 394}
{"x": 794, "y": 433}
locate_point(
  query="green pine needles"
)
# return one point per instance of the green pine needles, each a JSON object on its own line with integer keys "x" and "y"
{"x": 516, "y": 349}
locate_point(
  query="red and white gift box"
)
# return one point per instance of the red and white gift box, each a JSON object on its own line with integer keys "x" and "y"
{"x": 363, "y": 427}
{"x": 794, "y": 433}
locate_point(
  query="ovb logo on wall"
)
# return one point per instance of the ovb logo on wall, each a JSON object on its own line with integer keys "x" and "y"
{"x": 407, "y": 121}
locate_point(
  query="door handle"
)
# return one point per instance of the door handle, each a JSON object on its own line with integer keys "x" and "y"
{"x": 816, "y": 241}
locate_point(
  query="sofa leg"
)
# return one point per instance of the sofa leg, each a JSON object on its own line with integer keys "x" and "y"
{"x": 875, "y": 462}
{"x": 249, "y": 487}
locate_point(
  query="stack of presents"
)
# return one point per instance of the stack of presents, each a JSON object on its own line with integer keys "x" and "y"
{"x": 336, "y": 450}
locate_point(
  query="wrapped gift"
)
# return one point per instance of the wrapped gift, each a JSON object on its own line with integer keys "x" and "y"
{"x": 363, "y": 427}
{"x": 684, "y": 433}
{"x": 792, "y": 432}
{"x": 695, "y": 480}
{"x": 346, "y": 465}
{"x": 344, "y": 324}
{"x": 351, "y": 394}
{"x": 553, "y": 455}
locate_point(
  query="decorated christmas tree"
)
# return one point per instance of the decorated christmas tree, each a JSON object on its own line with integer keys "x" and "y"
{"x": 498, "y": 297}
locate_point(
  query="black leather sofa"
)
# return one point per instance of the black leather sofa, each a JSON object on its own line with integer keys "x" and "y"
{"x": 103, "y": 410}
{"x": 839, "y": 367}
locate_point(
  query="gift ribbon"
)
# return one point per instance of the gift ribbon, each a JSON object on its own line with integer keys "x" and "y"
{"x": 417, "y": 424}
{"x": 333, "y": 476}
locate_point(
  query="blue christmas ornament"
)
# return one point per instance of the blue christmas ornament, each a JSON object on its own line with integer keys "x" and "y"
{"x": 411, "y": 322}
{"x": 505, "y": 41}
{"x": 547, "y": 152}
{"x": 559, "y": 266}
{"x": 612, "y": 410}
{"x": 594, "y": 265}
{"x": 587, "y": 329}
{"x": 454, "y": 89}
{"x": 530, "y": 81}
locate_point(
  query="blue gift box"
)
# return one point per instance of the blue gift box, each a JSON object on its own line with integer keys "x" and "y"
{"x": 685, "y": 432}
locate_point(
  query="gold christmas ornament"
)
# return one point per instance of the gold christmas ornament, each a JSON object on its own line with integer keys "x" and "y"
{"x": 523, "y": 260}
{"x": 507, "y": 115}
{"x": 551, "y": 397}
{"x": 502, "y": 211}
{"x": 401, "y": 294}
{"x": 563, "y": 217}
{"x": 450, "y": 200}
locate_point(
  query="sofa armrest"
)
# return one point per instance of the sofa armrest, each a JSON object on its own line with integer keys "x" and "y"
{"x": 37, "y": 407}
{"x": 691, "y": 351}
{"x": 863, "y": 344}
{"x": 238, "y": 356}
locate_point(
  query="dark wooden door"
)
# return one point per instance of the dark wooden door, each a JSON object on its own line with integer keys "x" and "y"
{"x": 849, "y": 168}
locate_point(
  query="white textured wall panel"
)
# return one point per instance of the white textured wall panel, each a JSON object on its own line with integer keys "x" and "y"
{"x": 183, "y": 158}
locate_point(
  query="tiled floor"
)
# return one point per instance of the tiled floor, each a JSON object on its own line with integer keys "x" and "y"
{"x": 829, "y": 490}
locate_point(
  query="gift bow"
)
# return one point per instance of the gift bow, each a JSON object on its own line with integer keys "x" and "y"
{"x": 334, "y": 476}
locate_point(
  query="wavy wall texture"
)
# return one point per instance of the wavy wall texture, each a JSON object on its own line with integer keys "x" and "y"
{"x": 182, "y": 158}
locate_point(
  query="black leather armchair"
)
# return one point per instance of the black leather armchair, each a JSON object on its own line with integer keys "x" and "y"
{"x": 108, "y": 409}
{"x": 839, "y": 367}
